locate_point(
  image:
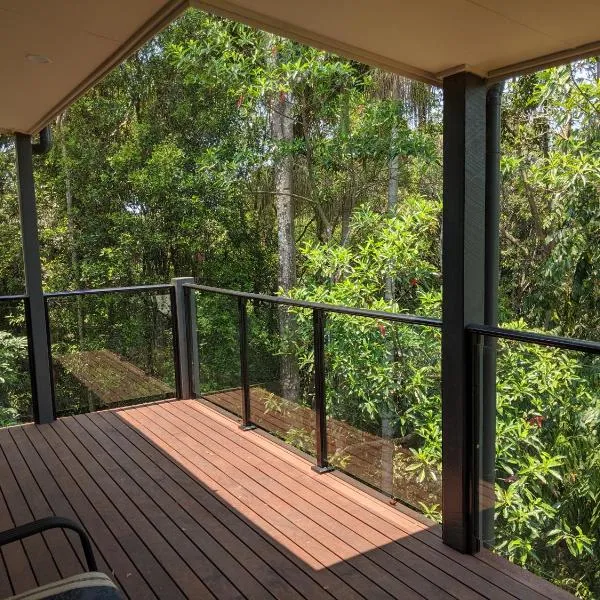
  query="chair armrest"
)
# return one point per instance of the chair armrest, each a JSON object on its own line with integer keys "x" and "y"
{"x": 41, "y": 525}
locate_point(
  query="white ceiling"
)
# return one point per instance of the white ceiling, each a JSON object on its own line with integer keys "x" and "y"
{"x": 83, "y": 39}
{"x": 425, "y": 39}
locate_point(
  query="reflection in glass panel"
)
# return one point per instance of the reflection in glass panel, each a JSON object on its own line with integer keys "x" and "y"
{"x": 281, "y": 372}
{"x": 384, "y": 407}
{"x": 111, "y": 350}
{"x": 217, "y": 322}
{"x": 542, "y": 509}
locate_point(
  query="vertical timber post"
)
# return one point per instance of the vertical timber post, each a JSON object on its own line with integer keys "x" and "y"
{"x": 492, "y": 278}
{"x": 463, "y": 268}
{"x": 39, "y": 337}
{"x": 322, "y": 465}
{"x": 244, "y": 375}
{"x": 185, "y": 315}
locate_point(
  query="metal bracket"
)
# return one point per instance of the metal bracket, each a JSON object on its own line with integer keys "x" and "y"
{"x": 321, "y": 470}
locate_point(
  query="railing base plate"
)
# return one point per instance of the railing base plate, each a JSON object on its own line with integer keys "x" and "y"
{"x": 248, "y": 427}
{"x": 322, "y": 470}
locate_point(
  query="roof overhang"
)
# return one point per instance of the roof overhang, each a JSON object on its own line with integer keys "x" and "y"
{"x": 425, "y": 39}
{"x": 83, "y": 40}
{"x": 430, "y": 39}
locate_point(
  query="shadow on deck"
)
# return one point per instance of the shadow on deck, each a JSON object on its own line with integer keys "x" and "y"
{"x": 181, "y": 503}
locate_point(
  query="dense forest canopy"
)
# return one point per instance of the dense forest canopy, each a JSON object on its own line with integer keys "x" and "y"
{"x": 248, "y": 161}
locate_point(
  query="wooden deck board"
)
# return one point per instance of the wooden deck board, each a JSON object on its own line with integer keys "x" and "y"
{"x": 14, "y": 556}
{"x": 181, "y": 503}
{"x": 39, "y": 507}
{"x": 334, "y": 523}
{"x": 257, "y": 534}
{"x": 421, "y": 540}
{"x": 121, "y": 566}
{"x": 362, "y": 454}
{"x": 325, "y": 546}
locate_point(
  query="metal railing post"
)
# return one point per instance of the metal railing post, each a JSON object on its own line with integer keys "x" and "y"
{"x": 37, "y": 326}
{"x": 478, "y": 490}
{"x": 244, "y": 375}
{"x": 176, "y": 349}
{"x": 184, "y": 314}
{"x": 189, "y": 299}
{"x": 322, "y": 465}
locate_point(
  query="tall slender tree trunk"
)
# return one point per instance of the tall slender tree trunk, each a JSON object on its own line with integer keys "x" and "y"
{"x": 71, "y": 236}
{"x": 282, "y": 123}
{"x": 347, "y": 200}
{"x": 388, "y": 422}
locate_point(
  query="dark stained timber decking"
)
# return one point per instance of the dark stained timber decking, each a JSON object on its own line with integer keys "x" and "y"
{"x": 180, "y": 502}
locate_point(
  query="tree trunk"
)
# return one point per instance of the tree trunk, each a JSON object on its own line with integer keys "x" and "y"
{"x": 71, "y": 235}
{"x": 347, "y": 200}
{"x": 388, "y": 425}
{"x": 283, "y": 132}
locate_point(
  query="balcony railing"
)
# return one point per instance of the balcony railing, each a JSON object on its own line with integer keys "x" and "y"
{"x": 319, "y": 412}
{"x": 112, "y": 346}
{"x": 545, "y": 386}
{"x": 362, "y": 385}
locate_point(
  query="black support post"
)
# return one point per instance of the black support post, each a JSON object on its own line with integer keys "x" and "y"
{"x": 244, "y": 373}
{"x": 322, "y": 465}
{"x": 39, "y": 338}
{"x": 187, "y": 352}
{"x": 176, "y": 348}
{"x": 492, "y": 278}
{"x": 463, "y": 269}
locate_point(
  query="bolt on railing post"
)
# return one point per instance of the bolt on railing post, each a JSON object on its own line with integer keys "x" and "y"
{"x": 186, "y": 353}
{"x": 322, "y": 465}
{"x": 243, "y": 340}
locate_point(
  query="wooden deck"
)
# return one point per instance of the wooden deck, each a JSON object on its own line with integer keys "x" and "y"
{"x": 181, "y": 503}
{"x": 360, "y": 453}
{"x": 364, "y": 455}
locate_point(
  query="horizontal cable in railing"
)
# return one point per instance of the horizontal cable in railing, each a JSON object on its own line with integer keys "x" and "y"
{"x": 333, "y": 308}
{"x": 13, "y": 298}
{"x": 160, "y": 287}
{"x": 541, "y": 339}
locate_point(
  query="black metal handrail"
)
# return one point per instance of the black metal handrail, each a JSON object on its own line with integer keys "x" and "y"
{"x": 151, "y": 288}
{"x": 319, "y": 312}
{"x": 13, "y": 298}
{"x": 333, "y": 308}
{"x": 159, "y": 287}
{"x": 532, "y": 337}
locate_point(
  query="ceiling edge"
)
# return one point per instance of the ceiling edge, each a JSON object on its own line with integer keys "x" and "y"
{"x": 258, "y": 20}
{"x": 159, "y": 21}
{"x": 544, "y": 62}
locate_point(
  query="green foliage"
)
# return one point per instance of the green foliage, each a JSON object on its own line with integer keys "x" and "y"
{"x": 548, "y": 400}
{"x": 551, "y": 185}
{"x": 15, "y": 401}
{"x": 166, "y": 168}
{"x": 383, "y": 375}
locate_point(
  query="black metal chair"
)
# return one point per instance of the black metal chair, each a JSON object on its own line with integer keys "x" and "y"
{"x": 91, "y": 585}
